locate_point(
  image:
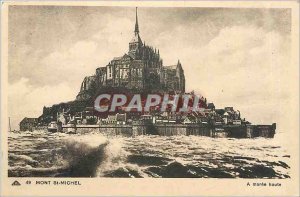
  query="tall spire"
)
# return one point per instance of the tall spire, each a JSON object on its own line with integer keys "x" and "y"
{"x": 136, "y": 30}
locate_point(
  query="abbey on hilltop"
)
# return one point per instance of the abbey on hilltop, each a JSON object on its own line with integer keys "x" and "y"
{"x": 139, "y": 70}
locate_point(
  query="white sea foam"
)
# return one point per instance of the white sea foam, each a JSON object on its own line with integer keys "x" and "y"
{"x": 23, "y": 157}
{"x": 93, "y": 140}
{"x": 115, "y": 156}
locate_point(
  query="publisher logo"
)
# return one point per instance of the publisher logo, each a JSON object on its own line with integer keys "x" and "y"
{"x": 16, "y": 183}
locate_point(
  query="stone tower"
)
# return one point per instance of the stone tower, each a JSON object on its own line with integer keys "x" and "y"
{"x": 136, "y": 43}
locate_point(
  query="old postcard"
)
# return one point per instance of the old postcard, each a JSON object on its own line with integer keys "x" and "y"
{"x": 190, "y": 98}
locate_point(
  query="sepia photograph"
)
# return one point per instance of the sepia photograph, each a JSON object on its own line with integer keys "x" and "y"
{"x": 139, "y": 91}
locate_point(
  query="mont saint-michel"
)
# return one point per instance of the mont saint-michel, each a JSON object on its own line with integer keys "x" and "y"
{"x": 141, "y": 70}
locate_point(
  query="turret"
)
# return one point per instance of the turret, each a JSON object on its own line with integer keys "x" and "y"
{"x": 136, "y": 30}
{"x": 136, "y": 42}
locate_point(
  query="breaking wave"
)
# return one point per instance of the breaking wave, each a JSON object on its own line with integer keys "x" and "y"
{"x": 60, "y": 155}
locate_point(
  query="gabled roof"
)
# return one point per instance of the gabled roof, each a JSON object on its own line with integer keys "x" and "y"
{"x": 117, "y": 58}
{"x": 124, "y": 56}
{"x": 211, "y": 104}
{"x": 171, "y": 67}
{"x": 226, "y": 114}
{"x": 220, "y": 111}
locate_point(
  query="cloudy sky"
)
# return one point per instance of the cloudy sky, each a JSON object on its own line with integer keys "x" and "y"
{"x": 234, "y": 57}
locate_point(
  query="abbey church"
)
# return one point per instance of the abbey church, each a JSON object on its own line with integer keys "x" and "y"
{"x": 139, "y": 70}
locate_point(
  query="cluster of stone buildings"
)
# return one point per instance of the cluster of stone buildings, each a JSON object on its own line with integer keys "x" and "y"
{"x": 207, "y": 116}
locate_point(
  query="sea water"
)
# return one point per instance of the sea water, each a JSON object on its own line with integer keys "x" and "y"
{"x": 43, "y": 154}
